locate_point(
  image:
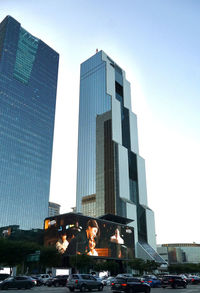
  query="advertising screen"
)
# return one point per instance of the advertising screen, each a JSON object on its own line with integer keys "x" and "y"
{"x": 77, "y": 234}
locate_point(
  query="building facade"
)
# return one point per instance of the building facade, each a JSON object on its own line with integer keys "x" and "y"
{"x": 177, "y": 253}
{"x": 54, "y": 209}
{"x": 110, "y": 168}
{"x": 28, "y": 84}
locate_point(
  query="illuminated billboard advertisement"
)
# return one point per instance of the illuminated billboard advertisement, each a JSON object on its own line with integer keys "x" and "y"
{"x": 77, "y": 234}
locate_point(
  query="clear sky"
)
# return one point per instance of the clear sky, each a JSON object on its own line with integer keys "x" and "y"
{"x": 157, "y": 43}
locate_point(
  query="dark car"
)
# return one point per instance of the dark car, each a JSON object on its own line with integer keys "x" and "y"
{"x": 59, "y": 280}
{"x": 129, "y": 284}
{"x": 4, "y": 276}
{"x": 173, "y": 281}
{"x": 83, "y": 282}
{"x": 17, "y": 282}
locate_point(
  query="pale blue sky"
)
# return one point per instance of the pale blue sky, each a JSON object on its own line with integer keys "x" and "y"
{"x": 157, "y": 43}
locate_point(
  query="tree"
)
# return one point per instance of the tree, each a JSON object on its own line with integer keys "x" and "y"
{"x": 137, "y": 264}
{"x": 184, "y": 268}
{"x": 151, "y": 265}
{"x": 112, "y": 267}
{"x": 13, "y": 253}
{"x": 49, "y": 257}
{"x": 82, "y": 262}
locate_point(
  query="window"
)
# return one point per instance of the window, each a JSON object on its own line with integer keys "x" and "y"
{"x": 86, "y": 277}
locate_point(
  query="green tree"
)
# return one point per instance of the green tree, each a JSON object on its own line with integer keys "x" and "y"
{"x": 151, "y": 265}
{"x": 81, "y": 262}
{"x": 137, "y": 264}
{"x": 13, "y": 253}
{"x": 184, "y": 268}
{"x": 49, "y": 257}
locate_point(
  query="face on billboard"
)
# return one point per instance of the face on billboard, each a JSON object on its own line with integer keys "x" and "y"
{"x": 76, "y": 234}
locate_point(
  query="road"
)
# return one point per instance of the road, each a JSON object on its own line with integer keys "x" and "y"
{"x": 44, "y": 289}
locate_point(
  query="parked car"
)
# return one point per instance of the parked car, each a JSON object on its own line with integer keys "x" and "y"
{"x": 109, "y": 280}
{"x": 49, "y": 282}
{"x": 83, "y": 282}
{"x": 152, "y": 280}
{"x": 98, "y": 279}
{"x": 185, "y": 278}
{"x": 194, "y": 280}
{"x": 38, "y": 281}
{"x": 125, "y": 275}
{"x": 17, "y": 282}
{"x": 104, "y": 281}
{"x": 4, "y": 276}
{"x": 43, "y": 278}
{"x": 129, "y": 284}
{"x": 173, "y": 281}
{"x": 59, "y": 280}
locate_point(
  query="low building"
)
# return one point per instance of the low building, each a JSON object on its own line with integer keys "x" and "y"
{"x": 176, "y": 253}
{"x": 15, "y": 233}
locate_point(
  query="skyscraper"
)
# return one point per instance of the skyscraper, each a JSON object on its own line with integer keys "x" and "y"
{"x": 110, "y": 173}
{"x": 28, "y": 83}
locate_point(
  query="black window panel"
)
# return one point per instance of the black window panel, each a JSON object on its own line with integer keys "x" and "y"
{"x": 125, "y": 128}
{"x": 109, "y": 168}
{"x": 142, "y": 227}
{"x": 119, "y": 89}
{"x": 132, "y": 166}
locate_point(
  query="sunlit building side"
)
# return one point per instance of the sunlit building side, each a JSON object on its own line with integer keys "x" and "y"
{"x": 109, "y": 165}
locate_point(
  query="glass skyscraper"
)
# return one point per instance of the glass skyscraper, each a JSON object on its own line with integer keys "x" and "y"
{"x": 28, "y": 84}
{"x": 110, "y": 173}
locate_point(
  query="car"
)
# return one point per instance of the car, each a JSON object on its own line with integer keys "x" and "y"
{"x": 194, "y": 280}
{"x": 49, "y": 282}
{"x": 173, "y": 281}
{"x": 17, "y": 282}
{"x": 83, "y": 282}
{"x": 129, "y": 285}
{"x": 59, "y": 280}
{"x": 38, "y": 281}
{"x": 104, "y": 280}
{"x": 4, "y": 276}
{"x": 43, "y": 278}
{"x": 125, "y": 275}
{"x": 98, "y": 279}
{"x": 152, "y": 280}
{"x": 109, "y": 280}
{"x": 184, "y": 277}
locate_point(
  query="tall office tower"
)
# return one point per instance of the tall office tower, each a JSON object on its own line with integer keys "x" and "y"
{"x": 111, "y": 173}
{"x": 28, "y": 83}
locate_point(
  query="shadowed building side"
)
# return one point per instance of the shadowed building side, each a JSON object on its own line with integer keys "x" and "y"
{"x": 28, "y": 83}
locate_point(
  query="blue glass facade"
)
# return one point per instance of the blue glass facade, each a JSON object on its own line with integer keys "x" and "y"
{"x": 110, "y": 173}
{"x": 93, "y": 102}
{"x": 28, "y": 83}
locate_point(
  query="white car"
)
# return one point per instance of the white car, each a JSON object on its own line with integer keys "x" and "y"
{"x": 109, "y": 281}
{"x": 43, "y": 278}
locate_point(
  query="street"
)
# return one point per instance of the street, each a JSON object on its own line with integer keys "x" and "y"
{"x": 44, "y": 289}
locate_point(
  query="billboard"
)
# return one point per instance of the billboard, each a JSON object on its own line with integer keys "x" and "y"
{"x": 73, "y": 234}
